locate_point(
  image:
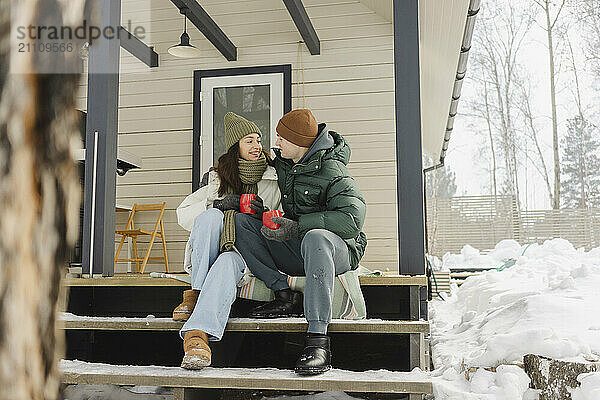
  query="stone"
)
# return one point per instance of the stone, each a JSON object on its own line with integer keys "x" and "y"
{"x": 554, "y": 377}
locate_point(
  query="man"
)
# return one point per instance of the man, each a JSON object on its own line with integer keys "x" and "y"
{"x": 319, "y": 235}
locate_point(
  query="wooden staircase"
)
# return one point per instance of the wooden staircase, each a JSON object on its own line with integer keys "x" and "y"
{"x": 133, "y": 314}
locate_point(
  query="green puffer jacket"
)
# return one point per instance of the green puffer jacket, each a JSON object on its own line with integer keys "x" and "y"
{"x": 319, "y": 193}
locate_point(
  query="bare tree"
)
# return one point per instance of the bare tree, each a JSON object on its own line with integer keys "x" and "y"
{"x": 528, "y": 115}
{"x": 483, "y": 109}
{"x": 550, "y": 6}
{"x": 500, "y": 36}
{"x": 39, "y": 194}
{"x": 488, "y": 119}
{"x": 589, "y": 13}
{"x": 575, "y": 71}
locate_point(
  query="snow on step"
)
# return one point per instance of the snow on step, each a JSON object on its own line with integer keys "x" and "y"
{"x": 72, "y": 321}
{"x": 79, "y": 372}
{"x": 145, "y": 280}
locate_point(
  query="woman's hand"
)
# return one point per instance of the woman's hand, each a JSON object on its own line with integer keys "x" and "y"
{"x": 230, "y": 202}
{"x": 257, "y": 205}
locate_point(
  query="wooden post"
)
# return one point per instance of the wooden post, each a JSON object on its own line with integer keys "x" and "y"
{"x": 409, "y": 184}
{"x": 101, "y": 146}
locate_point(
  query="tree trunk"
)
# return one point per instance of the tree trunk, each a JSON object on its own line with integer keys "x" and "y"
{"x": 509, "y": 130}
{"x": 488, "y": 118}
{"x": 39, "y": 193}
{"x": 528, "y": 113}
{"x": 506, "y": 147}
{"x": 582, "y": 200}
{"x": 549, "y": 28}
{"x": 581, "y": 130}
{"x": 553, "y": 377}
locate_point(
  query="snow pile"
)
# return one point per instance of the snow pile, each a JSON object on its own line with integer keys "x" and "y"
{"x": 508, "y": 382}
{"x": 545, "y": 304}
{"x": 470, "y": 257}
{"x": 589, "y": 389}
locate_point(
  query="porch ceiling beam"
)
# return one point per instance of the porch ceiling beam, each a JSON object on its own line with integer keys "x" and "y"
{"x": 137, "y": 48}
{"x": 304, "y": 25}
{"x": 208, "y": 27}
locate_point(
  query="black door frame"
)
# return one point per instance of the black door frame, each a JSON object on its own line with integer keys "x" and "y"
{"x": 285, "y": 69}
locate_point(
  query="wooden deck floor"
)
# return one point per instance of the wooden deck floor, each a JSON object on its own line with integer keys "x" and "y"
{"x": 145, "y": 280}
{"x": 73, "y": 322}
{"x": 78, "y": 372}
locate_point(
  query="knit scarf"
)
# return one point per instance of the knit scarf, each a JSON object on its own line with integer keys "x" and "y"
{"x": 251, "y": 173}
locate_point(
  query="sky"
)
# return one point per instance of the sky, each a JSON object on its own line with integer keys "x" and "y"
{"x": 471, "y": 170}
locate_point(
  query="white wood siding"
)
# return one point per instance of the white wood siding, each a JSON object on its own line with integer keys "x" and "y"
{"x": 350, "y": 86}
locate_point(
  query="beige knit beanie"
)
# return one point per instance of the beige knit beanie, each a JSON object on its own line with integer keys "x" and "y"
{"x": 236, "y": 127}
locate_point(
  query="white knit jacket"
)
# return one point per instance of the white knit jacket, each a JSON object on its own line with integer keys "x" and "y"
{"x": 202, "y": 199}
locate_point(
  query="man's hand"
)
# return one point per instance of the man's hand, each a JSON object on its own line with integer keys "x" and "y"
{"x": 230, "y": 202}
{"x": 257, "y": 205}
{"x": 288, "y": 229}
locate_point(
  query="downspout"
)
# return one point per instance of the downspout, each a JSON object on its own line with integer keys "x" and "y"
{"x": 460, "y": 75}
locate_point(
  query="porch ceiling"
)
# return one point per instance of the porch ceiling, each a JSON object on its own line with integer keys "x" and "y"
{"x": 441, "y": 25}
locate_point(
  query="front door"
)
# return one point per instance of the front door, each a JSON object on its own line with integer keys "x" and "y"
{"x": 259, "y": 94}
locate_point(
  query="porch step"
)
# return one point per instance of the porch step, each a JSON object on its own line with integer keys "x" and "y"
{"x": 71, "y": 322}
{"x": 79, "y": 372}
{"x": 145, "y": 280}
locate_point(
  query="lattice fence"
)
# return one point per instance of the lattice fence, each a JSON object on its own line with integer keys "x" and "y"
{"x": 482, "y": 221}
{"x": 581, "y": 227}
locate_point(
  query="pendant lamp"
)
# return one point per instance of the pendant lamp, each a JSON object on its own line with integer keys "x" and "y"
{"x": 184, "y": 49}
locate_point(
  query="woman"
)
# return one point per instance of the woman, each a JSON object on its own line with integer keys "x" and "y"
{"x": 216, "y": 267}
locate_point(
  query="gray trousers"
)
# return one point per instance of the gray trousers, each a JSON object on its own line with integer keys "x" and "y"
{"x": 320, "y": 255}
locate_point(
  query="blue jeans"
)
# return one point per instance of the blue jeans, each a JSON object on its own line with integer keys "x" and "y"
{"x": 214, "y": 275}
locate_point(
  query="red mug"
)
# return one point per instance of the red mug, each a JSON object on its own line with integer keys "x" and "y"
{"x": 267, "y": 215}
{"x": 245, "y": 203}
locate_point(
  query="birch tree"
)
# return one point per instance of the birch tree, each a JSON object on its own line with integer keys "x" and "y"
{"x": 552, "y": 11}
{"x": 39, "y": 194}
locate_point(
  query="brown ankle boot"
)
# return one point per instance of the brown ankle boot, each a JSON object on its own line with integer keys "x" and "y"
{"x": 197, "y": 353}
{"x": 183, "y": 311}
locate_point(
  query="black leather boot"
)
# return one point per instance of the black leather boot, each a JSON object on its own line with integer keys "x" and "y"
{"x": 316, "y": 356}
{"x": 287, "y": 303}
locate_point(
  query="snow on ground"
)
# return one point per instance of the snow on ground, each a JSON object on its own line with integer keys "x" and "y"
{"x": 590, "y": 387}
{"x": 545, "y": 304}
{"x": 470, "y": 257}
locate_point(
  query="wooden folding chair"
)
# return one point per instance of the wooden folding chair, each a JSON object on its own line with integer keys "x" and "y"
{"x": 133, "y": 232}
